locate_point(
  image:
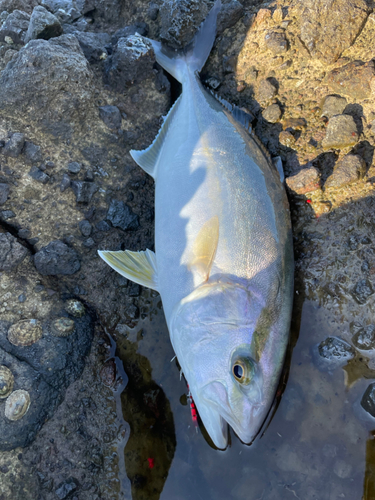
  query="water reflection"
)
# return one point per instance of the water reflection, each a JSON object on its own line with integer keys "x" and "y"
{"x": 369, "y": 482}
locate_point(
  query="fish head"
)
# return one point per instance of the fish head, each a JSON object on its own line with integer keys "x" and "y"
{"x": 221, "y": 334}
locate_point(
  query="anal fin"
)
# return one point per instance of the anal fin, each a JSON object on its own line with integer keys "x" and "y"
{"x": 139, "y": 267}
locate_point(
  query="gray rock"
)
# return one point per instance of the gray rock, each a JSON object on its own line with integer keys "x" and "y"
{"x": 333, "y": 105}
{"x": 141, "y": 28}
{"x": 56, "y": 259}
{"x": 272, "y": 113}
{"x": 34, "y": 79}
{"x": 134, "y": 290}
{"x": 365, "y": 338}
{"x": 4, "y": 192}
{"x": 89, "y": 243}
{"x": 94, "y": 45}
{"x": 84, "y": 190}
{"x": 122, "y": 216}
{"x": 15, "y": 27}
{"x": 12, "y": 253}
{"x": 276, "y": 42}
{"x": 132, "y": 61}
{"x": 74, "y": 167}
{"x": 153, "y": 11}
{"x": 43, "y": 25}
{"x": 39, "y": 175}
{"x": 32, "y": 152}
{"x": 368, "y": 400}
{"x": 86, "y": 6}
{"x": 307, "y": 180}
{"x": 362, "y": 291}
{"x": 230, "y": 13}
{"x": 335, "y": 349}
{"x": 55, "y": 5}
{"x": 66, "y": 488}
{"x": 65, "y": 183}
{"x": 85, "y": 227}
{"x": 11, "y": 5}
{"x": 103, "y": 226}
{"x": 14, "y": 146}
{"x": 266, "y": 91}
{"x": 343, "y": 20}
{"x": 180, "y": 19}
{"x": 341, "y": 132}
{"x": 7, "y": 214}
{"x": 111, "y": 116}
{"x": 348, "y": 170}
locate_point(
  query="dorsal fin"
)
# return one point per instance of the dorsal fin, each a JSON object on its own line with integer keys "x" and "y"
{"x": 139, "y": 267}
{"x": 147, "y": 158}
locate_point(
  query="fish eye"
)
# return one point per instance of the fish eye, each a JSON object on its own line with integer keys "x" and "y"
{"x": 242, "y": 370}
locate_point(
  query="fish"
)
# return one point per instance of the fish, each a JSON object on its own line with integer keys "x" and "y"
{"x": 223, "y": 261}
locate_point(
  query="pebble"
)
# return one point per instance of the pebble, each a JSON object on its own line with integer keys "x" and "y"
{"x": 14, "y": 146}
{"x": 294, "y": 123}
{"x": 56, "y": 259}
{"x": 32, "y": 152}
{"x": 84, "y": 190}
{"x": 89, "y": 243}
{"x": 287, "y": 139}
{"x": 111, "y": 116}
{"x": 66, "y": 488}
{"x": 365, "y": 338}
{"x": 75, "y": 308}
{"x": 43, "y": 25}
{"x": 333, "y": 348}
{"x": 74, "y": 167}
{"x": 12, "y": 253}
{"x": 121, "y": 215}
{"x": 65, "y": 183}
{"x": 4, "y": 192}
{"x": 7, "y": 214}
{"x": 368, "y": 400}
{"x": 39, "y": 175}
{"x": 85, "y": 227}
{"x": 333, "y": 105}
{"x": 272, "y": 114}
{"x": 362, "y": 291}
{"x": 352, "y": 80}
{"x": 134, "y": 290}
{"x": 103, "y": 226}
{"x": 307, "y": 180}
{"x": 22, "y": 298}
{"x": 276, "y": 42}
{"x": 348, "y": 170}
{"x": 266, "y": 91}
{"x": 94, "y": 45}
{"x": 341, "y": 132}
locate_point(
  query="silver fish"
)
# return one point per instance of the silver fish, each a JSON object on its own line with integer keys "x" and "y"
{"x": 224, "y": 259}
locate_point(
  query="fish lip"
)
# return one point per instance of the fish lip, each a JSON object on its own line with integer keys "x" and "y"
{"x": 214, "y": 423}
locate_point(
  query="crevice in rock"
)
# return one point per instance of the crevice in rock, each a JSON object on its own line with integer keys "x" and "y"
{"x": 8, "y": 228}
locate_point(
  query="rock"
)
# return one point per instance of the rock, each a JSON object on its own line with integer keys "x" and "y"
{"x": 89, "y": 243}
{"x": 12, "y": 253}
{"x": 65, "y": 183}
{"x": 348, "y": 170}
{"x": 94, "y": 45}
{"x": 307, "y": 180}
{"x": 7, "y": 214}
{"x": 180, "y": 20}
{"x": 335, "y": 349}
{"x": 134, "y": 290}
{"x": 287, "y": 139}
{"x": 111, "y": 116}
{"x": 14, "y": 146}
{"x": 140, "y": 28}
{"x": 153, "y": 11}
{"x": 365, "y": 338}
{"x": 230, "y": 13}
{"x": 84, "y": 190}
{"x": 34, "y": 79}
{"x": 276, "y": 42}
{"x": 122, "y": 216}
{"x": 74, "y": 167}
{"x": 362, "y": 291}
{"x": 132, "y": 61}
{"x": 4, "y": 192}
{"x": 43, "y": 25}
{"x": 266, "y": 91}
{"x": 56, "y": 259}
{"x": 108, "y": 373}
{"x": 15, "y": 27}
{"x": 39, "y": 175}
{"x": 55, "y": 5}
{"x": 352, "y": 80}
{"x": 368, "y": 400}
{"x": 103, "y": 226}
{"x": 85, "y": 227}
{"x": 32, "y": 152}
{"x": 272, "y": 114}
{"x": 12, "y": 5}
{"x": 343, "y": 20}
{"x": 341, "y": 132}
{"x": 294, "y": 123}
{"x": 86, "y": 6}
{"x": 333, "y": 105}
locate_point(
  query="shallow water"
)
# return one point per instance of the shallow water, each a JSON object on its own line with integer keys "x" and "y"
{"x": 318, "y": 445}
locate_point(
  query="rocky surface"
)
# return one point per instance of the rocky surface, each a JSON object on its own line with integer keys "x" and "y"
{"x": 71, "y": 108}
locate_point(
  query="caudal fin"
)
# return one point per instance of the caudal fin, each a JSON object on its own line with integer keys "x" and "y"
{"x": 194, "y": 56}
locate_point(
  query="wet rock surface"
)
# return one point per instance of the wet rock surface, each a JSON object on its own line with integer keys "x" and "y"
{"x": 335, "y": 349}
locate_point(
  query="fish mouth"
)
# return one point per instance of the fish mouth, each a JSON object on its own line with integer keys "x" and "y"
{"x": 214, "y": 423}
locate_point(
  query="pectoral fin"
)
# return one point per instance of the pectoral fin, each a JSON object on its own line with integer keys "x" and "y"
{"x": 204, "y": 248}
{"x": 139, "y": 267}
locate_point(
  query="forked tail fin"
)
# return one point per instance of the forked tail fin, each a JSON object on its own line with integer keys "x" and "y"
{"x": 193, "y": 57}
